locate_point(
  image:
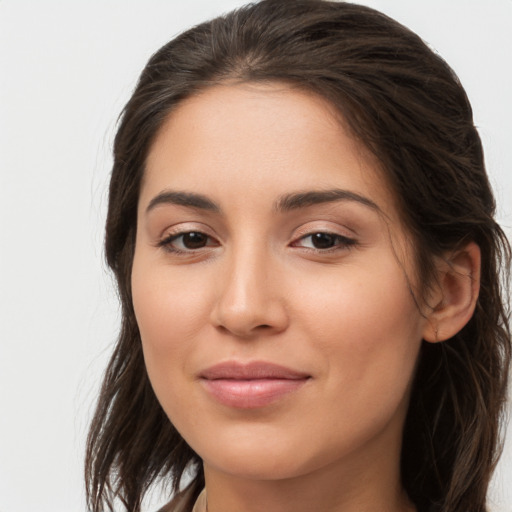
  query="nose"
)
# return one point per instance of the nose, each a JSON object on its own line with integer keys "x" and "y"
{"x": 249, "y": 301}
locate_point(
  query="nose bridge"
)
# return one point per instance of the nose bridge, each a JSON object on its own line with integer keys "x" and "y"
{"x": 251, "y": 266}
{"x": 249, "y": 299}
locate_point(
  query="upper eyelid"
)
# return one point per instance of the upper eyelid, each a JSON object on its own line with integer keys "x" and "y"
{"x": 306, "y": 229}
{"x": 337, "y": 229}
{"x": 324, "y": 232}
{"x": 166, "y": 238}
{"x": 349, "y": 240}
{"x": 344, "y": 242}
{"x": 167, "y": 242}
{"x": 172, "y": 236}
{"x": 186, "y": 227}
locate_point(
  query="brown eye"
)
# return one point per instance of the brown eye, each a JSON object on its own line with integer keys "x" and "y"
{"x": 323, "y": 241}
{"x": 187, "y": 241}
{"x": 194, "y": 240}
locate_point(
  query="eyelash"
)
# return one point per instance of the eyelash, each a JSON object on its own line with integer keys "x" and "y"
{"x": 342, "y": 242}
{"x": 166, "y": 243}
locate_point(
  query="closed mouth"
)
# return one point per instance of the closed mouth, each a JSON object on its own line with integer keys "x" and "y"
{"x": 251, "y": 385}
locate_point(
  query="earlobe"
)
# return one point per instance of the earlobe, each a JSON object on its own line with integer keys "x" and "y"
{"x": 456, "y": 295}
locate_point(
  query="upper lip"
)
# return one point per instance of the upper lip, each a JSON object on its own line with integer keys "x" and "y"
{"x": 251, "y": 371}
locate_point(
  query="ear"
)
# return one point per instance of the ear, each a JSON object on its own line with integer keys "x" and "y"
{"x": 456, "y": 294}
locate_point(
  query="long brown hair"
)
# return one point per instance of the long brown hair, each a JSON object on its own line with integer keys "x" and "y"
{"x": 408, "y": 107}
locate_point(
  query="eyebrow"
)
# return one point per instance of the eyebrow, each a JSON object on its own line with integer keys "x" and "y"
{"x": 286, "y": 203}
{"x": 304, "y": 199}
{"x": 188, "y": 199}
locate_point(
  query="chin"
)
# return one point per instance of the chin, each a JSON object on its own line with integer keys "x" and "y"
{"x": 257, "y": 457}
{"x": 253, "y": 456}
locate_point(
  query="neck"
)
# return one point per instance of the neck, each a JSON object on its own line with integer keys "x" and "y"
{"x": 304, "y": 496}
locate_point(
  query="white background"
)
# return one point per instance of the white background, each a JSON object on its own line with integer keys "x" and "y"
{"x": 66, "y": 70}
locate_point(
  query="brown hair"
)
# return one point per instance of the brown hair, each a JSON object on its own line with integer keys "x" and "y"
{"x": 408, "y": 107}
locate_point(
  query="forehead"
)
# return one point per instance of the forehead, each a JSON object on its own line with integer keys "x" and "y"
{"x": 268, "y": 138}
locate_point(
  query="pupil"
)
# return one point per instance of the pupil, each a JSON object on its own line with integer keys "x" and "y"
{"x": 323, "y": 240}
{"x": 194, "y": 240}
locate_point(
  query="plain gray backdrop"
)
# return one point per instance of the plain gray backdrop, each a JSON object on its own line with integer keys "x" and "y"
{"x": 66, "y": 70}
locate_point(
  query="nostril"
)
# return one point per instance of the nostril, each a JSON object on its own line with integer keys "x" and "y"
{"x": 246, "y": 315}
{"x": 243, "y": 332}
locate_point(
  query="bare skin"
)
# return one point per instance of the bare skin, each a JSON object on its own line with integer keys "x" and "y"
{"x": 267, "y": 236}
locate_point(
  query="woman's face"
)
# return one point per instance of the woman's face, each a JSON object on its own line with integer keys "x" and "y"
{"x": 270, "y": 287}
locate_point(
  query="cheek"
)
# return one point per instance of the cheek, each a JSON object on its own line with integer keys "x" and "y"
{"x": 170, "y": 315}
{"x": 168, "y": 306}
{"x": 371, "y": 298}
{"x": 367, "y": 326}
{"x": 367, "y": 332}
{"x": 170, "y": 310}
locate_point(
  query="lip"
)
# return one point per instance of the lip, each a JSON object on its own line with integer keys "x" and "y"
{"x": 251, "y": 385}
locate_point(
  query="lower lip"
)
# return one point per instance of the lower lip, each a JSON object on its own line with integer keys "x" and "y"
{"x": 250, "y": 394}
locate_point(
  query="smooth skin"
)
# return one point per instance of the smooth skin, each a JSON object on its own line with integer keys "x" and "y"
{"x": 267, "y": 233}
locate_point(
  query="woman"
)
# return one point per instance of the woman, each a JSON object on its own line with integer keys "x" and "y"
{"x": 302, "y": 232}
